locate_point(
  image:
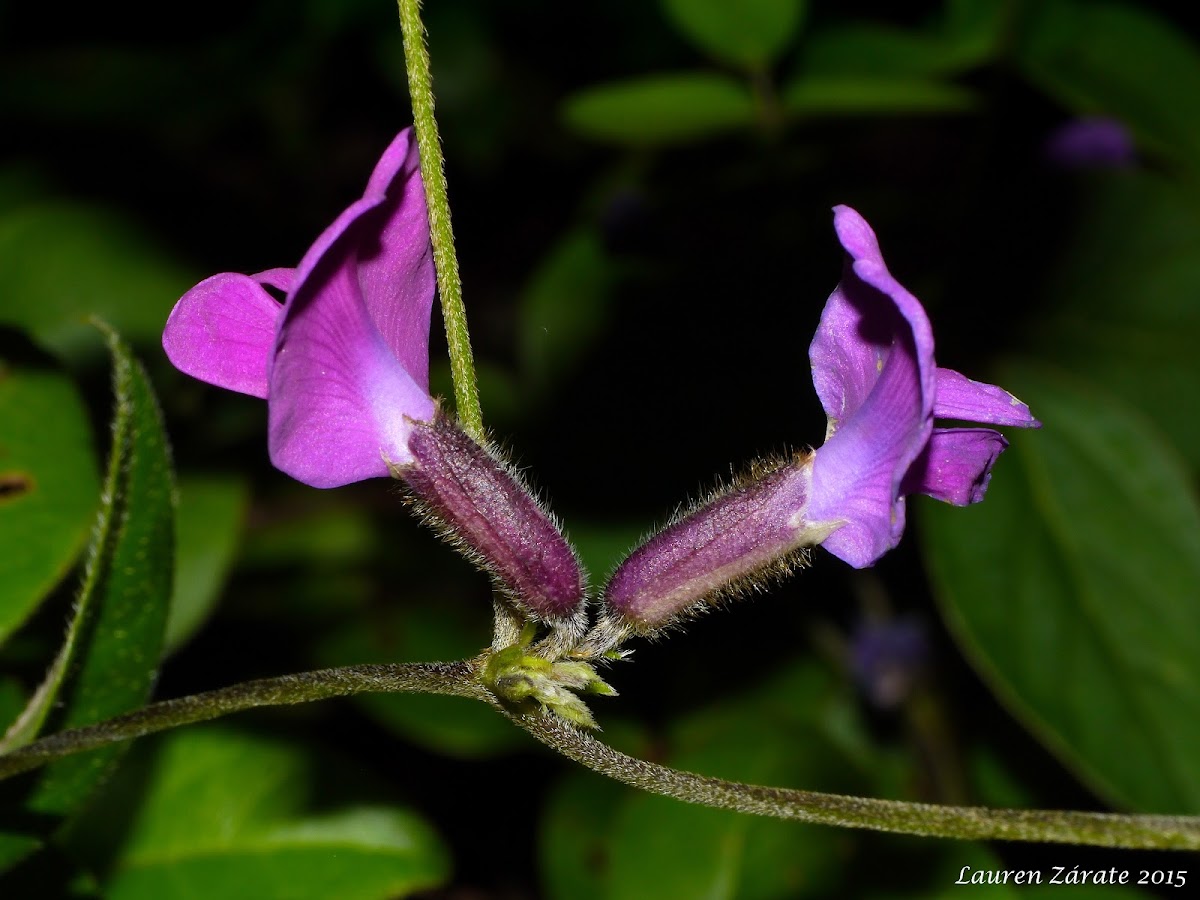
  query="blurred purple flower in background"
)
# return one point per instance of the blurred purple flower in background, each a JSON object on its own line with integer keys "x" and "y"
{"x": 887, "y": 658}
{"x": 1093, "y": 142}
{"x": 344, "y": 362}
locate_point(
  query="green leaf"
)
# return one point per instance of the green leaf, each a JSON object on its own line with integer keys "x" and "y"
{"x": 1119, "y": 60}
{"x": 814, "y": 95}
{"x": 12, "y": 700}
{"x": 110, "y": 657}
{"x": 967, "y": 35}
{"x": 780, "y": 733}
{"x": 564, "y": 306}
{"x": 500, "y": 392}
{"x": 749, "y": 33}
{"x": 48, "y": 486}
{"x": 661, "y": 109}
{"x": 1125, "y": 313}
{"x": 975, "y": 31}
{"x": 661, "y": 847}
{"x": 575, "y": 829}
{"x": 61, "y": 263}
{"x": 576, "y": 826}
{"x": 209, "y": 527}
{"x": 326, "y": 532}
{"x": 1073, "y": 589}
{"x": 223, "y": 816}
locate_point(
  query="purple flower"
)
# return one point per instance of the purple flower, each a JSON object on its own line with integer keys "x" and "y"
{"x": 344, "y": 363}
{"x": 344, "y": 367}
{"x": 874, "y": 371}
{"x": 1092, "y": 142}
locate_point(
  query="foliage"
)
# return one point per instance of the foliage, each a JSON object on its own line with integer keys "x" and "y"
{"x": 642, "y": 224}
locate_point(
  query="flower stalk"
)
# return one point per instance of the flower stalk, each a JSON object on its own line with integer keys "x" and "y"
{"x": 463, "y": 679}
{"x": 433, "y": 173}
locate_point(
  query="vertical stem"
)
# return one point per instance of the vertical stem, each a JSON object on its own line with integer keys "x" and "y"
{"x": 433, "y": 173}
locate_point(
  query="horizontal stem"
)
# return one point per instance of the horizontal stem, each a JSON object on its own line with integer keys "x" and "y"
{"x": 457, "y": 679}
{"x": 966, "y": 822}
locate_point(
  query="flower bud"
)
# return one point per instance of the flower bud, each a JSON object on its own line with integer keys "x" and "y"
{"x": 726, "y": 545}
{"x": 482, "y": 507}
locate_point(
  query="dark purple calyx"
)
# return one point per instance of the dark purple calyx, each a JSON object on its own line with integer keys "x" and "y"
{"x": 729, "y": 543}
{"x": 487, "y": 512}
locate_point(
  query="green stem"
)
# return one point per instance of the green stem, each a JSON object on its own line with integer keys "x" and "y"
{"x": 973, "y": 823}
{"x": 433, "y": 173}
{"x": 456, "y": 679}
{"x": 460, "y": 679}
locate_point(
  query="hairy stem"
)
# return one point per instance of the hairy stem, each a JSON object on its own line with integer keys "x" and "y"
{"x": 460, "y": 679}
{"x": 973, "y": 823}
{"x": 433, "y": 173}
{"x": 457, "y": 679}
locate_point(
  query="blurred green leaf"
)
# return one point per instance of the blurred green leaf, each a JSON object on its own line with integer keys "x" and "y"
{"x": 1118, "y": 60}
{"x": 577, "y": 822}
{"x": 12, "y": 700}
{"x": 1073, "y": 588}
{"x": 423, "y": 632}
{"x": 223, "y": 817}
{"x": 661, "y": 847}
{"x": 993, "y": 783}
{"x": 660, "y": 109}
{"x": 49, "y": 486}
{"x": 880, "y": 51}
{"x": 209, "y": 523}
{"x": 329, "y": 531}
{"x": 622, "y": 844}
{"x": 968, "y": 34}
{"x": 503, "y": 397}
{"x": 575, "y": 830}
{"x": 1126, "y": 310}
{"x": 564, "y": 306}
{"x": 749, "y": 33}
{"x": 976, "y": 30}
{"x": 109, "y": 660}
{"x": 872, "y": 95}
{"x": 61, "y": 263}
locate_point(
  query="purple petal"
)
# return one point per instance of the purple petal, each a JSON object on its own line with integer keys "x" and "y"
{"x": 857, "y": 473}
{"x": 859, "y": 325}
{"x": 956, "y": 465}
{"x": 340, "y": 401}
{"x": 280, "y": 279}
{"x": 388, "y": 236}
{"x": 874, "y": 371}
{"x": 958, "y": 397}
{"x": 343, "y": 391}
{"x": 222, "y": 331}
{"x": 396, "y": 270}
